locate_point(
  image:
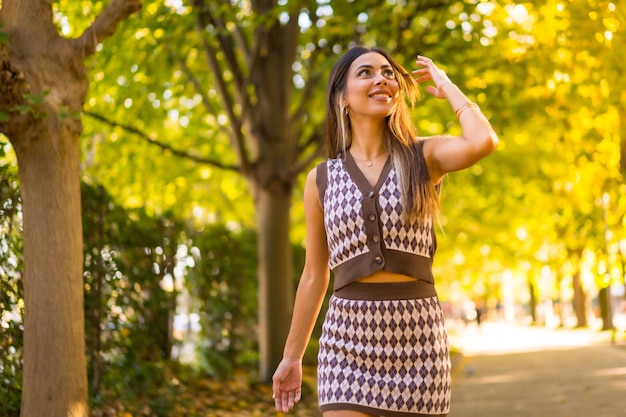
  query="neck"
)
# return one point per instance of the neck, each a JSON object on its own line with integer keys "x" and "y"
{"x": 367, "y": 139}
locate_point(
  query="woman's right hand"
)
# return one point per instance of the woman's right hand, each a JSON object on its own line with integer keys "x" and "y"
{"x": 287, "y": 383}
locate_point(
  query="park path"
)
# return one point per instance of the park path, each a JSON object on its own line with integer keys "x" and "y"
{"x": 521, "y": 371}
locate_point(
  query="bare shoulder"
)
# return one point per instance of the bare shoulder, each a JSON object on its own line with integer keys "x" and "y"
{"x": 311, "y": 179}
{"x": 312, "y": 174}
{"x": 311, "y": 190}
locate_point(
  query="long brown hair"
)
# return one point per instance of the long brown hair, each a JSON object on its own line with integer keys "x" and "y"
{"x": 419, "y": 196}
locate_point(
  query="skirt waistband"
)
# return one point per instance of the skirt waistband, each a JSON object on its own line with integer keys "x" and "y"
{"x": 378, "y": 291}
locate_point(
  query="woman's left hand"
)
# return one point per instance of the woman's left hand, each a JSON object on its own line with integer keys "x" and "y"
{"x": 430, "y": 72}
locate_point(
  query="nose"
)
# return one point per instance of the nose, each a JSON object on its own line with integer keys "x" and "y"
{"x": 380, "y": 79}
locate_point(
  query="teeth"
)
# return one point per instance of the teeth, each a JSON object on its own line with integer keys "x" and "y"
{"x": 380, "y": 95}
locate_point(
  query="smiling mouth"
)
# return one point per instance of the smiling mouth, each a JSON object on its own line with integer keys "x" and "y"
{"x": 380, "y": 95}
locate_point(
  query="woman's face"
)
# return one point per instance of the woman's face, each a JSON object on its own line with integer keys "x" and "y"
{"x": 371, "y": 89}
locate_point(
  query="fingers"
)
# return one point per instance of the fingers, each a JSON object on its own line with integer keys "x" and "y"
{"x": 285, "y": 401}
{"x": 422, "y": 75}
{"x": 424, "y": 58}
{"x": 286, "y": 385}
{"x": 430, "y": 72}
{"x": 429, "y": 66}
{"x": 431, "y": 90}
{"x": 298, "y": 396}
{"x": 291, "y": 399}
{"x": 426, "y": 72}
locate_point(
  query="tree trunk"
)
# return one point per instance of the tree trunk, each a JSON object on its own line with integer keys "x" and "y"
{"x": 55, "y": 379}
{"x": 275, "y": 275}
{"x": 621, "y": 108}
{"x": 43, "y": 79}
{"x": 532, "y": 291}
{"x": 43, "y": 85}
{"x": 604, "y": 297}
{"x": 579, "y": 300}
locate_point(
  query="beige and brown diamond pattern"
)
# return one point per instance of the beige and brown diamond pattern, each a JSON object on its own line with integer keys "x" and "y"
{"x": 410, "y": 237}
{"x": 390, "y": 355}
{"x": 345, "y": 230}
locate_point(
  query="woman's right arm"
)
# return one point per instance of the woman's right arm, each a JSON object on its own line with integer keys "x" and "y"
{"x": 287, "y": 379}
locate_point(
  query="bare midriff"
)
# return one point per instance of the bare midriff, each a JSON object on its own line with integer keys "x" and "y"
{"x": 385, "y": 276}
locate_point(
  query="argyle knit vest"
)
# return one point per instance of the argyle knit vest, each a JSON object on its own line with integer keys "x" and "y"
{"x": 366, "y": 230}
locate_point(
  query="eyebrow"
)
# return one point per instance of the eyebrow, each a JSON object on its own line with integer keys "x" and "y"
{"x": 368, "y": 66}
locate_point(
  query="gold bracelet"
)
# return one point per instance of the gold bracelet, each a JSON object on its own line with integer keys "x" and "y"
{"x": 464, "y": 107}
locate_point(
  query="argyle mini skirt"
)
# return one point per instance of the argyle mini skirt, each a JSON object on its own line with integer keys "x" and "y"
{"x": 384, "y": 351}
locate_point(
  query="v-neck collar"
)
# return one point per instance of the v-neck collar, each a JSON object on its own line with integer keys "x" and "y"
{"x": 359, "y": 178}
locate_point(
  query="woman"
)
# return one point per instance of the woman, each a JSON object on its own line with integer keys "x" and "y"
{"x": 369, "y": 218}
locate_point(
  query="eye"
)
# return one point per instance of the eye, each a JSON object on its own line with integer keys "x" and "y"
{"x": 364, "y": 71}
{"x": 388, "y": 73}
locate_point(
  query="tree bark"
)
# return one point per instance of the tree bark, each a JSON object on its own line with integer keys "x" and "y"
{"x": 55, "y": 381}
{"x": 275, "y": 276}
{"x": 579, "y": 300}
{"x": 43, "y": 85}
{"x": 604, "y": 298}
{"x": 532, "y": 291}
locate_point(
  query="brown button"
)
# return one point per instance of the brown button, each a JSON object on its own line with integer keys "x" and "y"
{"x": 378, "y": 260}
{"x": 375, "y": 238}
{"x": 371, "y": 217}
{"x": 370, "y": 194}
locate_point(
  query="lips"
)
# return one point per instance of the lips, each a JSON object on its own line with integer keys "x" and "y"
{"x": 380, "y": 94}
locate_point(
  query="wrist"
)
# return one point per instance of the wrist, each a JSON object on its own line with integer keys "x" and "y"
{"x": 446, "y": 84}
{"x": 464, "y": 107}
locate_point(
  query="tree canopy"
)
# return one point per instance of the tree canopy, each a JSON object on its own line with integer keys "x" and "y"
{"x": 195, "y": 108}
{"x": 545, "y": 73}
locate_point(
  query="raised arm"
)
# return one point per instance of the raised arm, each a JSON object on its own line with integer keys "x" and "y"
{"x": 477, "y": 140}
{"x": 287, "y": 379}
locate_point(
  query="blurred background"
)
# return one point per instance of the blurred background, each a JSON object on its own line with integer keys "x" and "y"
{"x": 201, "y": 122}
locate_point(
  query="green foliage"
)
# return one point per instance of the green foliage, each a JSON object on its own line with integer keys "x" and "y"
{"x": 545, "y": 73}
{"x": 11, "y": 292}
{"x": 32, "y": 104}
{"x": 4, "y": 37}
{"x": 141, "y": 84}
{"x": 220, "y": 274}
{"x": 224, "y": 271}
{"x": 132, "y": 271}
{"x": 128, "y": 313}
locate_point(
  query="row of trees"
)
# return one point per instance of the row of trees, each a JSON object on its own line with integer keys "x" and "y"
{"x": 530, "y": 67}
{"x": 139, "y": 270}
{"x": 212, "y": 110}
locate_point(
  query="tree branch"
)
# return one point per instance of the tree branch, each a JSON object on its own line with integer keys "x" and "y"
{"x": 252, "y": 61}
{"x": 309, "y": 88}
{"x": 177, "y": 152}
{"x": 105, "y": 24}
{"x": 226, "y": 44}
{"x": 237, "y": 138}
{"x": 313, "y": 140}
{"x": 199, "y": 90}
{"x": 239, "y": 35}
